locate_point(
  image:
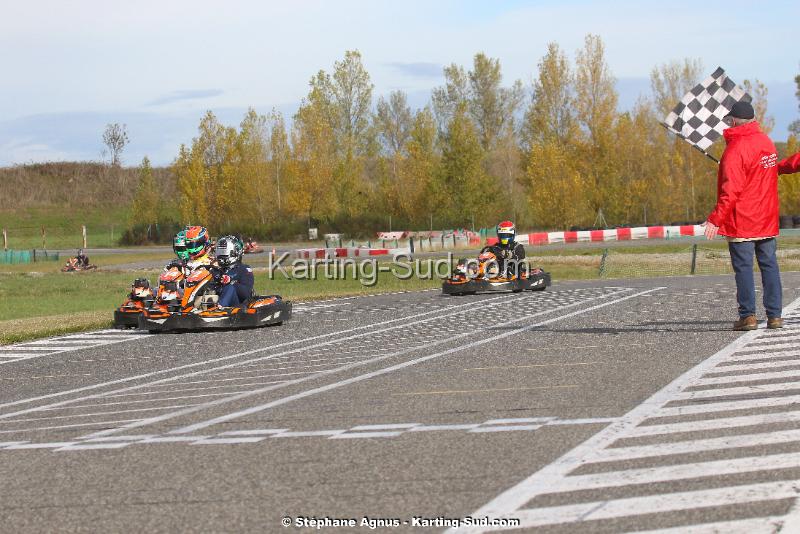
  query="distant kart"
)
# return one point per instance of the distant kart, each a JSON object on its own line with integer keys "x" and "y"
{"x": 140, "y": 297}
{"x": 251, "y": 247}
{"x": 74, "y": 266}
{"x": 197, "y": 309}
{"x": 469, "y": 278}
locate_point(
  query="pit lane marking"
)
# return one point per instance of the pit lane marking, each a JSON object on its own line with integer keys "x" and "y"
{"x": 254, "y": 351}
{"x": 602, "y": 462}
{"x": 255, "y": 409}
{"x": 574, "y": 298}
{"x": 406, "y": 350}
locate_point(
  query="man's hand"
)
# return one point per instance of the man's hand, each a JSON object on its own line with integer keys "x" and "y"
{"x": 711, "y": 229}
{"x": 225, "y": 279}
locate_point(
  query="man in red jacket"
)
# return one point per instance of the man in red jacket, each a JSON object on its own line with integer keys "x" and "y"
{"x": 747, "y": 214}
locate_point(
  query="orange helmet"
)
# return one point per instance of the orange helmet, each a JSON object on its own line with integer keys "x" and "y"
{"x": 506, "y": 231}
{"x": 197, "y": 241}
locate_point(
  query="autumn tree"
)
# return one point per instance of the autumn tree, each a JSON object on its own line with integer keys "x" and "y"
{"x": 551, "y": 116}
{"x": 145, "y": 208}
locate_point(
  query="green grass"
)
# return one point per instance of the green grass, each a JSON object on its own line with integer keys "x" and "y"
{"x": 63, "y": 227}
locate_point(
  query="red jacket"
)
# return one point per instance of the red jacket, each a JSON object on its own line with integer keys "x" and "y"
{"x": 747, "y": 184}
{"x": 789, "y": 165}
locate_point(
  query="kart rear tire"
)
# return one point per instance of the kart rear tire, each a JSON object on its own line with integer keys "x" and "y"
{"x": 539, "y": 288}
{"x": 516, "y": 290}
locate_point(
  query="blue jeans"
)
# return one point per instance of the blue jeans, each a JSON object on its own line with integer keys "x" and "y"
{"x": 742, "y": 261}
{"x": 233, "y": 295}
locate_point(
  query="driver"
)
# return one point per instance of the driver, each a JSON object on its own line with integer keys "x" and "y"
{"x": 509, "y": 253}
{"x": 82, "y": 259}
{"x": 237, "y": 278}
{"x": 198, "y": 247}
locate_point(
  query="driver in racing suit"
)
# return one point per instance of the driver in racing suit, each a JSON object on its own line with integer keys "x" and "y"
{"x": 509, "y": 253}
{"x": 237, "y": 278}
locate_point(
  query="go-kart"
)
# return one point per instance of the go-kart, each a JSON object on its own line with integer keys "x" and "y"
{"x": 251, "y": 247}
{"x": 140, "y": 297}
{"x": 484, "y": 275}
{"x": 73, "y": 265}
{"x": 196, "y": 307}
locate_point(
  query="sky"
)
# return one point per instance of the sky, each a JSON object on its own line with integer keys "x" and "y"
{"x": 70, "y": 68}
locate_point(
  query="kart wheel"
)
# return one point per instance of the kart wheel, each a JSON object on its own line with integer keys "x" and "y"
{"x": 516, "y": 291}
{"x": 539, "y": 288}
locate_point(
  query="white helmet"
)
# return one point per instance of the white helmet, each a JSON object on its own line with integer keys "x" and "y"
{"x": 228, "y": 250}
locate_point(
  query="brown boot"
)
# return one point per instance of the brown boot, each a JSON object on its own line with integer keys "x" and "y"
{"x": 747, "y": 323}
{"x": 774, "y": 322}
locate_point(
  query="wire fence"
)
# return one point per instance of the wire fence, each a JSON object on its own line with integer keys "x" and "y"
{"x": 60, "y": 236}
{"x": 694, "y": 260}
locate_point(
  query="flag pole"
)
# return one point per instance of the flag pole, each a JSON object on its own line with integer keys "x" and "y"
{"x": 706, "y": 154}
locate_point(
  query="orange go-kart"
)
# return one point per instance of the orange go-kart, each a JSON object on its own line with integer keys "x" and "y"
{"x": 484, "y": 275}
{"x": 251, "y": 247}
{"x": 197, "y": 308}
{"x": 140, "y": 297}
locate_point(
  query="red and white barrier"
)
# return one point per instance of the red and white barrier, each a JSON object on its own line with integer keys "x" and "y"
{"x": 615, "y": 234}
{"x": 322, "y": 253}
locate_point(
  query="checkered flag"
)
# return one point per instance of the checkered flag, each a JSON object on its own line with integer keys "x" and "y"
{"x": 698, "y": 116}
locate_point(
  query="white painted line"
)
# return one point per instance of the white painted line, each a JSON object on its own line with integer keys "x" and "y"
{"x": 174, "y": 439}
{"x": 41, "y": 445}
{"x": 740, "y": 390}
{"x": 360, "y": 435}
{"x": 403, "y": 365}
{"x": 713, "y": 424}
{"x": 432, "y": 428}
{"x": 311, "y": 433}
{"x": 519, "y": 421}
{"x": 384, "y": 427}
{"x": 766, "y": 356}
{"x": 28, "y": 347}
{"x": 50, "y": 418}
{"x": 589, "y": 421}
{"x": 756, "y": 367}
{"x": 59, "y": 427}
{"x": 227, "y": 441}
{"x": 724, "y": 406}
{"x": 8, "y": 443}
{"x": 697, "y": 446}
{"x": 670, "y": 502}
{"x": 747, "y": 378}
{"x": 506, "y": 428}
{"x": 667, "y": 473}
{"x": 794, "y": 345}
{"x": 91, "y": 446}
{"x": 254, "y": 432}
{"x": 122, "y": 438}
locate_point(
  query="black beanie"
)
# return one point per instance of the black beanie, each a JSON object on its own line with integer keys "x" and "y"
{"x": 742, "y": 110}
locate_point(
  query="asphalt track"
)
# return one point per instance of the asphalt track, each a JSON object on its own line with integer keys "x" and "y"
{"x": 603, "y": 406}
